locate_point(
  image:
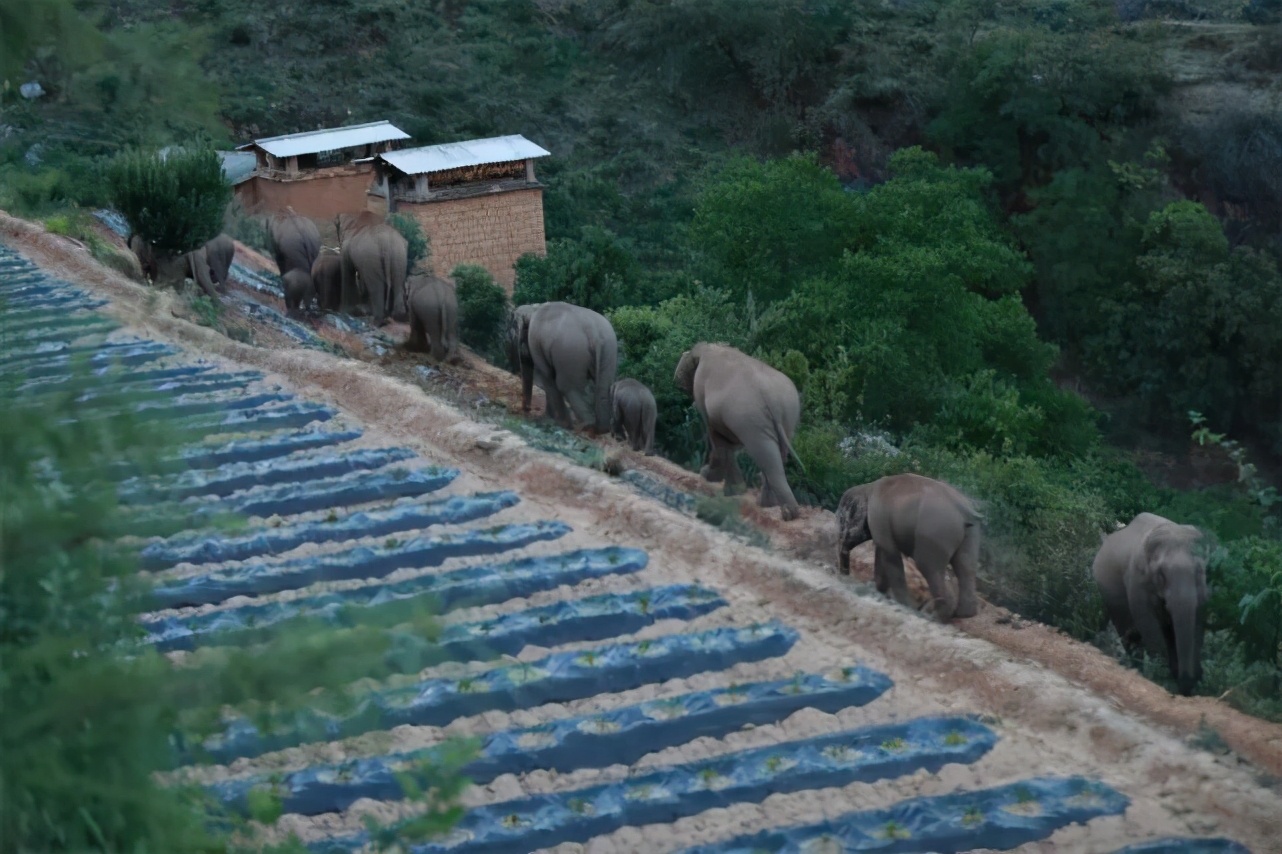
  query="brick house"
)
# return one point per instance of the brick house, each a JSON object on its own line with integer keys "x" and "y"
{"x": 477, "y": 201}
{"x": 318, "y": 173}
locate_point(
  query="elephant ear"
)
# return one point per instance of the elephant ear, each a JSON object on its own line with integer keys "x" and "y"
{"x": 684, "y": 374}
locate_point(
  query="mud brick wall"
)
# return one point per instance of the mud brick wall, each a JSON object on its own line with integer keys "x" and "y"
{"x": 317, "y": 196}
{"x": 491, "y": 230}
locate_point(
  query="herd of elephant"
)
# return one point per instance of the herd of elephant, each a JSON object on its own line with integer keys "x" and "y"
{"x": 1151, "y": 573}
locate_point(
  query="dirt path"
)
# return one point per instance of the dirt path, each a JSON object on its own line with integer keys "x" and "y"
{"x": 1059, "y": 707}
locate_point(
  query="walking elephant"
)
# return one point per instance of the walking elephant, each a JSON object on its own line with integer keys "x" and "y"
{"x": 634, "y": 411}
{"x": 1152, "y": 576}
{"x": 746, "y": 405}
{"x": 374, "y": 259}
{"x": 219, "y": 251}
{"x": 433, "y": 314}
{"x": 146, "y": 255}
{"x": 295, "y": 241}
{"x": 327, "y": 276}
{"x": 572, "y": 353}
{"x": 907, "y": 515}
{"x": 299, "y": 290}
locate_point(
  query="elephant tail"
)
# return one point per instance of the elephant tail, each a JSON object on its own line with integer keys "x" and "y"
{"x": 786, "y": 449}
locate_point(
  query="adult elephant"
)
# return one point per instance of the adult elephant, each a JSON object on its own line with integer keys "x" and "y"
{"x": 433, "y": 314}
{"x": 573, "y": 354}
{"x": 907, "y": 515}
{"x": 296, "y": 242}
{"x": 374, "y": 259}
{"x": 1152, "y": 576}
{"x": 746, "y": 405}
{"x": 327, "y": 276}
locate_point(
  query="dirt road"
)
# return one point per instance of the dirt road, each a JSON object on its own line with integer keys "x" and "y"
{"x": 769, "y": 682}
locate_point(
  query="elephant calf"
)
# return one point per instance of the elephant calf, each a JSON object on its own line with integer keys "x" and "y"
{"x": 219, "y": 252}
{"x": 299, "y": 290}
{"x": 907, "y": 515}
{"x": 745, "y": 404}
{"x": 433, "y": 314}
{"x": 634, "y": 414}
{"x": 1152, "y": 576}
{"x": 327, "y": 276}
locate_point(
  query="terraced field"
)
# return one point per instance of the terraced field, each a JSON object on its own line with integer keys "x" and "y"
{"x": 639, "y": 683}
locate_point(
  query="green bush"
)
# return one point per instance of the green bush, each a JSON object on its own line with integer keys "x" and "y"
{"x": 89, "y": 712}
{"x": 418, "y": 247}
{"x": 595, "y": 270}
{"x": 175, "y": 202}
{"x": 482, "y": 311}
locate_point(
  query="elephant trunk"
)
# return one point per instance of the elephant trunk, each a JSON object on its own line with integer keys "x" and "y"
{"x": 1185, "y": 620}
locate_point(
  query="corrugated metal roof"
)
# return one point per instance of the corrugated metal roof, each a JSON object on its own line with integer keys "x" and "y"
{"x": 330, "y": 139}
{"x": 454, "y": 155}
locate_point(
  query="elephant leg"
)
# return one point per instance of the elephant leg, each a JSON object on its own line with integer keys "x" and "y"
{"x": 888, "y": 575}
{"x": 418, "y": 337}
{"x": 556, "y": 409}
{"x": 775, "y": 490}
{"x": 1146, "y": 621}
{"x": 932, "y": 562}
{"x": 966, "y": 567}
{"x": 573, "y": 385}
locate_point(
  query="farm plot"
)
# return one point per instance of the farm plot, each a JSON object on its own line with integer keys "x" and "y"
{"x": 622, "y": 703}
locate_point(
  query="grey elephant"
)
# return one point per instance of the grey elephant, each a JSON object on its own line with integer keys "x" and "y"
{"x": 907, "y": 515}
{"x": 433, "y": 313}
{"x": 327, "y": 276}
{"x": 295, "y": 242}
{"x": 746, "y": 405}
{"x": 299, "y": 290}
{"x": 634, "y": 411}
{"x": 146, "y": 255}
{"x": 1152, "y": 576}
{"x": 219, "y": 252}
{"x": 573, "y": 354}
{"x": 374, "y": 260}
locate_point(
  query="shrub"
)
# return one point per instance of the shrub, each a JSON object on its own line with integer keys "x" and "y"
{"x": 596, "y": 270}
{"x": 418, "y": 250}
{"x": 175, "y": 202}
{"x": 482, "y": 311}
{"x": 89, "y": 711}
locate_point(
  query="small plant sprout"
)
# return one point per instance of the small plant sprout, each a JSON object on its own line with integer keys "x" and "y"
{"x": 640, "y": 792}
{"x": 794, "y": 687}
{"x": 709, "y": 776}
{"x": 579, "y": 806}
{"x": 1024, "y": 795}
{"x": 973, "y": 816}
{"x": 512, "y": 820}
{"x": 773, "y": 763}
{"x": 391, "y": 543}
{"x": 893, "y": 830}
{"x": 894, "y": 744}
{"x": 847, "y": 673}
{"x": 837, "y": 752}
{"x": 954, "y": 739}
{"x": 332, "y": 516}
{"x": 643, "y": 647}
{"x": 466, "y": 686}
{"x": 587, "y": 658}
{"x": 644, "y": 602}
{"x": 612, "y": 559}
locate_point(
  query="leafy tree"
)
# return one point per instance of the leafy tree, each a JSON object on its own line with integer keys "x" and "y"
{"x": 760, "y": 228}
{"x": 418, "y": 247}
{"x": 175, "y": 202}
{"x": 30, "y": 27}
{"x": 1210, "y": 310}
{"x": 596, "y": 270}
{"x": 482, "y": 311}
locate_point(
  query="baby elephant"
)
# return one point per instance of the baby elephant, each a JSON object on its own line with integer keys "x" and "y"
{"x": 634, "y": 414}
{"x": 299, "y": 290}
{"x": 432, "y": 304}
{"x": 907, "y": 515}
{"x": 1152, "y": 575}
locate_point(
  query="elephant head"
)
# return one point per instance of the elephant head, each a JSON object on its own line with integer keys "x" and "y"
{"x": 852, "y": 522}
{"x": 1172, "y": 564}
{"x": 518, "y": 349}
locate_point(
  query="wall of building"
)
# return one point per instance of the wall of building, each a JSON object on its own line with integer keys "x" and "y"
{"x": 322, "y": 195}
{"x": 492, "y": 230}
